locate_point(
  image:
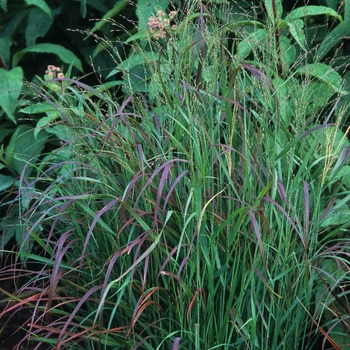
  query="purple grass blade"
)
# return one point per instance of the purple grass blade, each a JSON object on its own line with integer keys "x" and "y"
{"x": 282, "y": 192}
{"x": 167, "y": 273}
{"x": 94, "y": 222}
{"x": 56, "y": 271}
{"x": 139, "y": 150}
{"x": 156, "y": 123}
{"x": 345, "y": 155}
{"x": 172, "y": 189}
{"x": 258, "y": 235}
{"x": 328, "y": 209}
{"x": 182, "y": 265}
{"x": 136, "y": 242}
{"x": 161, "y": 185}
{"x": 155, "y": 173}
{"x": 116, "y": 120}
{"x": 75, "y": 311}
{"x": 257, "y": 73}
{"x": 315, "y": 128}
{"x": 140, "y": 244}
{"x": 184, "y": 85}
{"x": 287, "y": 217}
{"x": 173, "y": 251}
{"x": 176, "y": 343}
{"x": 140, "y": 343}
{"x": 145, "y": 270}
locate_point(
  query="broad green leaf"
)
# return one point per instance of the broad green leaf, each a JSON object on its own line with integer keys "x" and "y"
{"x": 339, "y": 333}
{"x": 315, "y": 96}
{"x": 38, "y": 25}
{"x": 218, "y": 1}
{"x": 7, "y": 225}
{"x": 343, "y": 106}
{"x": 250, "y": 42}
{"x": 342, "y": 175}
{"x": 135, "y": 60}
{"x": 15, "y": 22}
{"x": 43, "y": 107}
{"x": 332, "y": 140}
{"x": 338, "y": 139}
{"x": 284, "y": 93}
{"x": 62, "y": 132}
{"x": 5, "y": 131}
{"x": 330, "y": 272}
{"x": 332, "y": 4}
{"x": 41, "y": 4}
{"x": 244, "y": 24}
{"x": 3, "y": 4}
{"x": 312, "y": 10}
{"x": 335, "y": 36}
{"x": 347, "y": 10}
{"x": 119, "y": 5}
{"x": 329, "y": 267}
{"x": 5, "y": 45}
{"x": 11, "y": 83}
{"x": 324, "y": 73}
{"x": 64, "y": 55}
{"x": 137, "y": 36}
{"x": 6, "y": 182}
{"x": 288, "y": 51}
{"x": 8, "y": 33}
{"x": 83, "y": 8}
{"x": 296, "y": 30}
{"x": 51, "y": 115}
{"x": 279, "y": 9}
{"x": 24, "y": 148}
{"x": 336, "y": 218}
{"x": 45, "y": 122}
{"x": 329, "y": 145}
{"x": 27, "y": 193}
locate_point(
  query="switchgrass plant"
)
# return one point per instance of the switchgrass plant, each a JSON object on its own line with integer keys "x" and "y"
{"x": 205, "y": 209}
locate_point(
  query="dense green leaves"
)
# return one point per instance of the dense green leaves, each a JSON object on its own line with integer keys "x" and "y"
{"x": 250, "y": 42}
{"x": 6, "y": 182}
{"x": 310, "y": 10}
{"x": 11, "y": 83}
{"x": 64, "y": 55}
{"x": 23, "y": 149}
{"x": 3, "y": 4}
{"x": 38, "y": 25}
{"x": 334, "y": 37}
{"x": 119, "y": 5}
{"x": 296, "y": 30}
{"x": 324, "y": 73}
{"x": 270, "y": 5}
{"x": 42, "y": 5}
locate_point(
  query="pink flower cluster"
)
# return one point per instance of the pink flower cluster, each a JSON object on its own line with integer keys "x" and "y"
{"x": 54, "y": 72}
{"x": 161, "y": 23}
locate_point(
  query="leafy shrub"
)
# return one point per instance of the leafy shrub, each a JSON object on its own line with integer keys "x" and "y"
{"x": 35, "y": 34}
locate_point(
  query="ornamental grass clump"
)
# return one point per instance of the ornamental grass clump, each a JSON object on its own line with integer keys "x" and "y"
{"x": 206, "y": 208}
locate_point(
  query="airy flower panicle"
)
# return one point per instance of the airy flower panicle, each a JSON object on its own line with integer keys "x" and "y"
{"x": 54, "y": 72}
{"x": 159, "y": 24}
